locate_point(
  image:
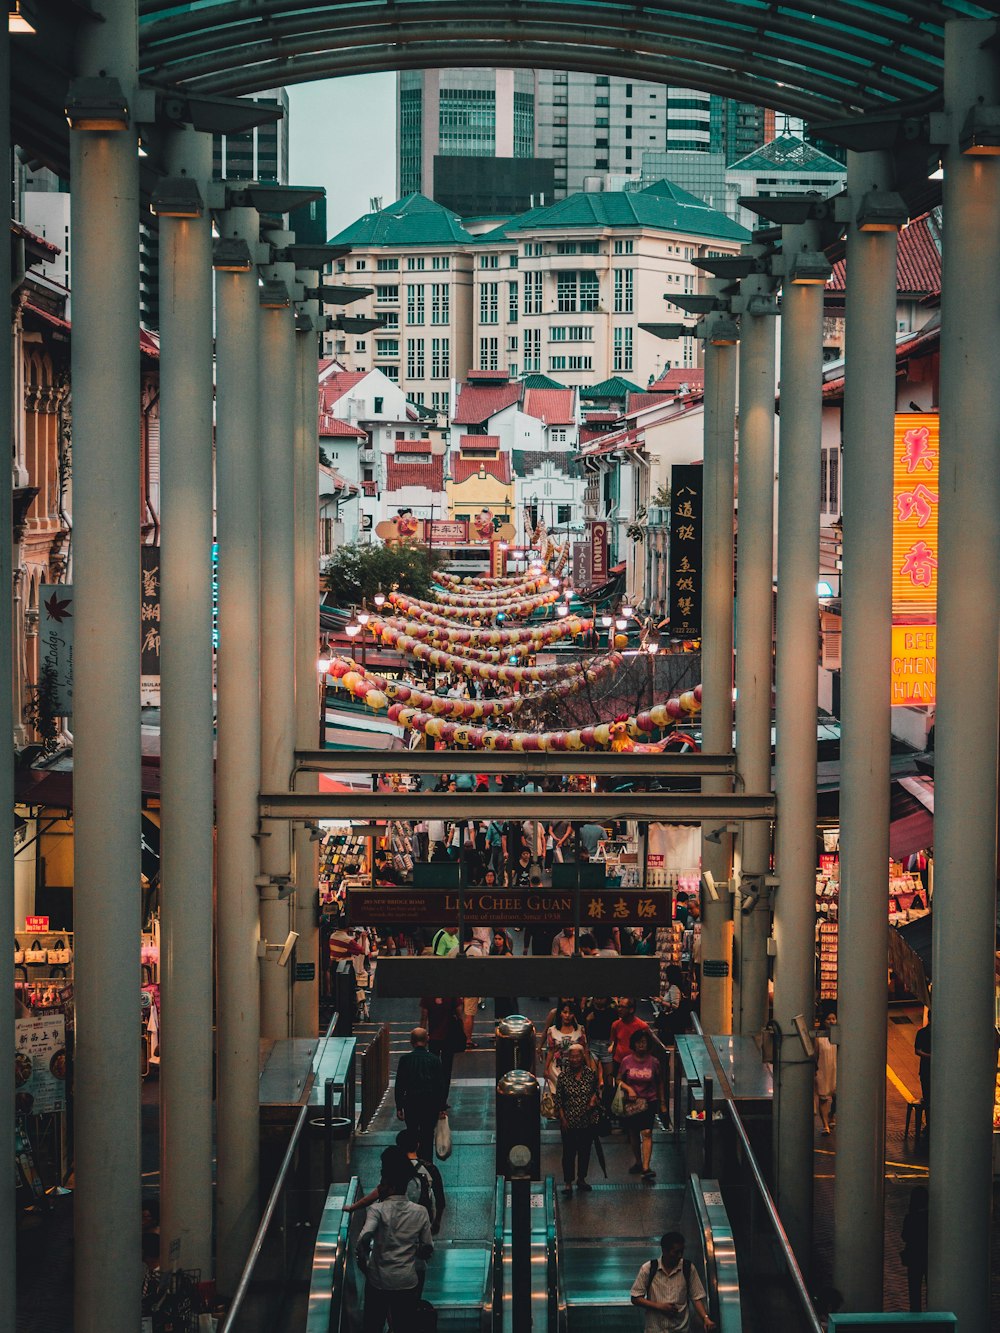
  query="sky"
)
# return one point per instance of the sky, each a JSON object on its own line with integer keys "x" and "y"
{"x": 342, "y": 134}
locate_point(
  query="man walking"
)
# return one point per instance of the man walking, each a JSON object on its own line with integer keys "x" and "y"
{"x": 576, "y": 1099}
{"x": 395, "y": 1235}
{"x": 667, "y": 1288}
{"x": 420, "y": 1091}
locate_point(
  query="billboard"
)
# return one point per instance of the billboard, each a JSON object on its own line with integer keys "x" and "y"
{"x": 915, "y": 492}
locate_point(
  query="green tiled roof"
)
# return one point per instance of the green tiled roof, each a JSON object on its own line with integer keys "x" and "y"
{"x": 790, "y": 154}
{"x": 535, "y": 381}
{"x": 615, "y": 388}
{"x": 662, "y": 206}
{"x": 412, "y": 220}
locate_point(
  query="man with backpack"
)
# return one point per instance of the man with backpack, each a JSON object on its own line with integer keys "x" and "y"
{"x": 668, "y": 1287}
{"x": 396, "y": 1234}
{"x": 429, "y": 1184}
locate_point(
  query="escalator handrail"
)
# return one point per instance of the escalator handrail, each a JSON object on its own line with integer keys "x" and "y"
{"x": 723, "y": 1301}
{"x": 499, "y": 1224}
{"x": 552, "y": 1275}
{"x": 329, "y": 1275}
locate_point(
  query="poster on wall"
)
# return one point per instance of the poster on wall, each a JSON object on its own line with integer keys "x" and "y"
{"x": 40, "y": 1065}
{"x": 55, "y": 646}
{"x": 685, "y": 550}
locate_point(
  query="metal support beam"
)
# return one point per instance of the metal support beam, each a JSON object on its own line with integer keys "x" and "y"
{"x": 399, "y": 978}
{"x": 8, "y": 717}
{"x": 238, "y": 762}
{"x": 964, "y": 920}
{"x": 186, "y": 757}
{"x": 305, "y": 994}
{"x": 104, "y": 209}
{"x": 654, "y": 807}
{"x": 796, "y": 696}
{"x": 277, "y": 594}
{"x": 717, "y": 664}
{"x": 869, "y": 408}
{"x": 754, "y": 645}
{"x": 600, "y": 764}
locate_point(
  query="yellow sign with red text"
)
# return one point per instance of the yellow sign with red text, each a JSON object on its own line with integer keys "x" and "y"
{"x": 915, "y": 515}
{"x": 914, "y": 665}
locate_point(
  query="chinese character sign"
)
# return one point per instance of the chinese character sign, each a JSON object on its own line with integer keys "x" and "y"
{"x": 915, "y": 514}
{"x": 685, "y": 550}
{"x": 149, "y": 610}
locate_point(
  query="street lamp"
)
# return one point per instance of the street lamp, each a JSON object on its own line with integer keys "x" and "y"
{"x": 323, "y": 668}
{"x": 380, "y": 600}
{"x": 562, "y": 610}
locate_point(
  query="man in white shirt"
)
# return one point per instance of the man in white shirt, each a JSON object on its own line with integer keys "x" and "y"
{"x": 667, "y": 1289}
{"x": 395, "y": 1235}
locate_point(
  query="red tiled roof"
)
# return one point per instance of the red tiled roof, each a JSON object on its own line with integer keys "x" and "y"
{"x": 621, "y": 439}
{"x": 675, "y": 377}
{"x": 588, "y": 433}
{"x": 335, "y": 386}
{"x": 429, "y": 475}
{"x": 413, "y": 446}
{"x": 494, "y": 376}
{"x": 54, "y": 320}
{"x": 370, "y": 488}
{"x": 467, "y": 442}
{"x": 19, "y": 229}
{"x": 918, "y": 261}
{"x": 333, "y": 426}
{"x": 464, "y": 468}
{"x": 638, "y": 402}
{"x": 477, "y": 403}
{"x": 604, "y": 414}
{"x": 339, "y": 481}
{"x": 833, "y": 390}
{"x": 553, "y": 406}
{"x": 149, "y": 343}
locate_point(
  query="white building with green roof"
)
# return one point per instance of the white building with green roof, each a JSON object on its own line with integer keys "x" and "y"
{"x": 786, "y": 165}
{"x": 559, "y": 290}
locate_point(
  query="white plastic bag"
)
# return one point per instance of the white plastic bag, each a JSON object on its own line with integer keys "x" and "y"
{"x": 442, "y": 1138}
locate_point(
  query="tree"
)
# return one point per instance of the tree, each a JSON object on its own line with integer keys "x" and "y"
{"x": 356, "y": 573}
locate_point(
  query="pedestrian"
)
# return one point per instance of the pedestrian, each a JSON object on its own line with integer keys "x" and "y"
{"x": 420, "y": 1091}
{"x": 564, "y": 944}
{"x": 396, "y": 1234}
{"x": 826, "y": 1076}
{"x": 576, "y": 1099}
{"x": 922, "y": 1047}
{"x": 672, "y": 1017}
{"x": 622, "y": 1029}
{"x": 599, "y": 1014}
{"x": 913, "y": 1255}
{"x": 668, "y": 1287}
{"x": 566, "y": 1031}
{"x": 640, "y": 1077}
{"x": 442, "y": 1016}
{"x": 502, "y": 947}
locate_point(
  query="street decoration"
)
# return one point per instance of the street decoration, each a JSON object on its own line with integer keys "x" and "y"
{"x": 518, "y": 609}
{"x": 502, "y": 675}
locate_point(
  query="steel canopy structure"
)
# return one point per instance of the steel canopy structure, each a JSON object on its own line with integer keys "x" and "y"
{"x": 817, "y": 60}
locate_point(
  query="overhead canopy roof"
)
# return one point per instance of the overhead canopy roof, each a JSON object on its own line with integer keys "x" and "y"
{"x": 819, "y": 59}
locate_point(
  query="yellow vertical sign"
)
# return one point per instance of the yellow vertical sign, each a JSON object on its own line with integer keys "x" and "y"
{"x": 915, "y": 515}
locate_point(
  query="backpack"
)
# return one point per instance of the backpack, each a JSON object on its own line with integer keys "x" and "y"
{"x": 431, "y": 1197}
{"x": 654, "y": 1265}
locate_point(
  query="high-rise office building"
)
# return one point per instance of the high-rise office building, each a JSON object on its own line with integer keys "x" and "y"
{"x": 589, "y": 126}
{"x": 260, "y": 154}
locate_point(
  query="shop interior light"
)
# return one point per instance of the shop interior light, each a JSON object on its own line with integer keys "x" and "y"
{"x": 96, "y": 104}
{"x": 19, "y": 17}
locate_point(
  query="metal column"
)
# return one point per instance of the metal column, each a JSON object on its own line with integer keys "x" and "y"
{"x": 106, "y": 729}
{"x": 8, "y": 1242}
{"x": 186, "y": 731}
{"x": 754, "y": 647}
{"x": 717, "y": 666}
{"x": 238, "y": 763}
{"x": 869, "y": 407}
{"x": 276, "y": 370}
{"x": 796, "y": 704}
{"x": 964, "y": 920}
{"x": 305, "y": 993}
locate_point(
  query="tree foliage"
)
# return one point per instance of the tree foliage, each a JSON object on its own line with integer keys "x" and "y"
{"x": 356, "y": 573}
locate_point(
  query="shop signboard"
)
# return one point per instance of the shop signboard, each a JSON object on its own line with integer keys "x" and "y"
{"x": 55, "y": 647}
{"x": 598, "y": 553}
{"x": 914, "y": 665}
{"x": 685, "y": 550}
{"x": 581, "y": 572}
{"x": 149, "y": 610}
{"x": 480, "y": 907}
{"x": 498, "y": 560}
{"x": 445, "y": 532}
{"x": 915, "y": 493}
{"x": 36, "y": 925}
{"x": 40, "y": 1064}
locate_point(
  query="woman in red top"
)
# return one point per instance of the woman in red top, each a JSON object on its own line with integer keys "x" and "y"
{"x": 622, "y": 1029}
{"x": 641, "y": 1079}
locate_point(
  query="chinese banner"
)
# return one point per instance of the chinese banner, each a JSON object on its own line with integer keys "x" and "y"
{"x": 498, "y": 560}
{"x": 914, "y": 665}
{"x": 598, "y": 553}
{"x": 150, "y": 610}
{"x": 40, "y": 1064}
{"x": 915, "y": 515}
{"x": 685, "y": 550}
{"x": 55, "y": 645}
{"x": 441, "y": 532}
{"x": 405, "y": 906}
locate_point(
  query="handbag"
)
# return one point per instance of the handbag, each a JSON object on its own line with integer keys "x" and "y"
{"x": 548, "y": 1105}
{"x": 18, "y": 952}
{"x": 618, "y": 1101}
{"x": 442, "y": 1138}
{"x": 35, "y": 953}
{"x": 58, "y": 955}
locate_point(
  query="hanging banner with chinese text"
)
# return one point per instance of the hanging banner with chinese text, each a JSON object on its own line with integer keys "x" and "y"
{"x": 150, "y": 610}
{"x": 55, "y": 648}
{"x": 685, "y": 550}
{"x": 915, "y": 514}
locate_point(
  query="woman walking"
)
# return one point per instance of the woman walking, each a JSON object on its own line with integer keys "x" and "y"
{"x": 640, "y": 1077}
{"x": 565, "y": 1032}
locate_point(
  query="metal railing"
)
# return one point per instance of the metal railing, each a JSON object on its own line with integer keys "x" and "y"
{"x": 553, "y": 1281}
{"x": 722, "y": 1284}
{"x": 374, "y": 1075}
{"x": 330, "y": 1259}
{"x": 771, "y": 1282}
{"x": 496, "y": 1259}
